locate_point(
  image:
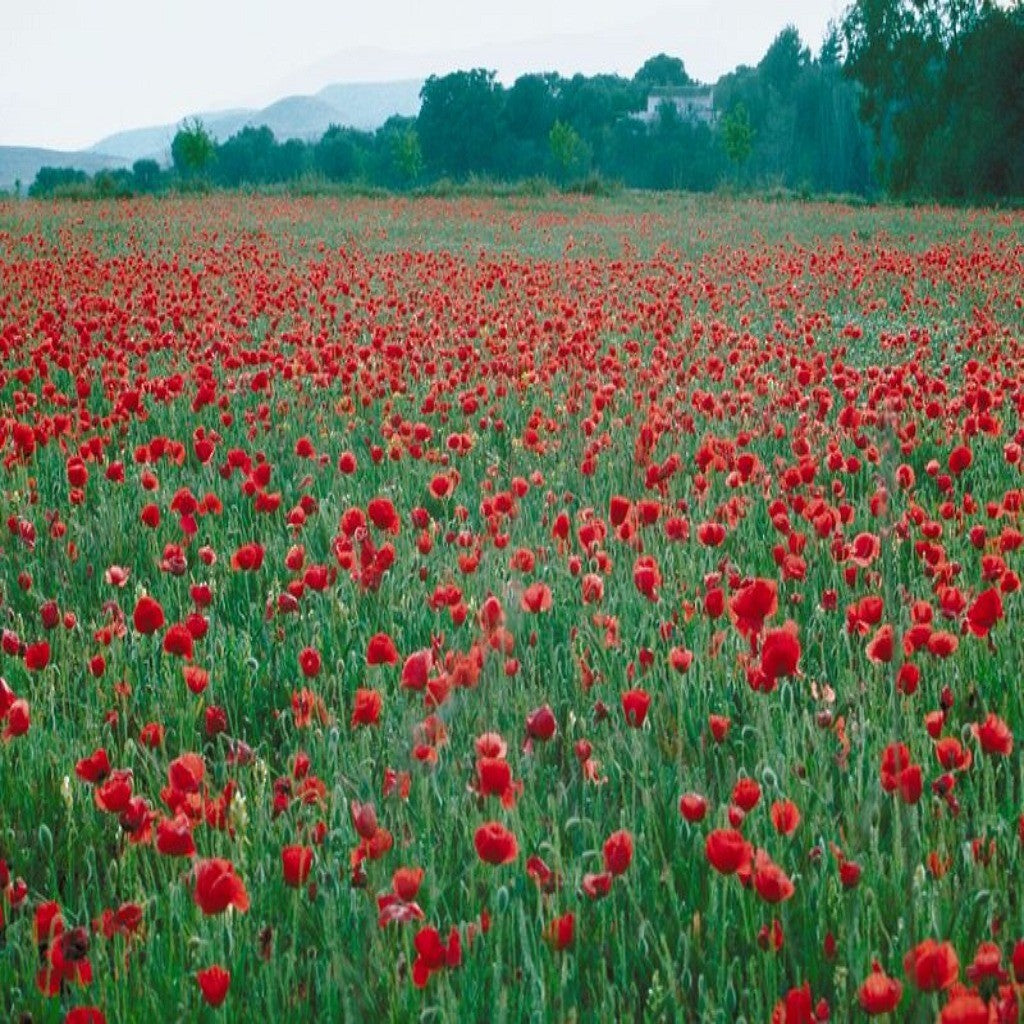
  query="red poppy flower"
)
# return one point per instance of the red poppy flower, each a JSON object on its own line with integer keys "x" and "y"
{"x": 985, "y": 612}
{"x": 995, "y": 736}
{"x": 560, "y": 932}
{"x": 186, "y": 773}
{"x": 196, "y": 679}
{"x": 960, "y": 458}
{"x": 94, "y": 768}
{"x": 217, "y": 887}
{"x": 693, "y": 807}
{"x": 381, "y": 650}
{"x": 536, "y": 598}
{"x": 214, "y": 982}
{"x": 416, "y": 670}
{"x": 493, "y": 775}
{"x": 771, "y": 882}
{"x": 797, "y": 1007}
{"x": 405, "y": 882}
{"x": 752, "y": 604}
{"x": 85, "y": 1015}
{"x": 296, "y": 861}
{"x": 178, "y": 640}
{"x": 727, "y": 851}
{"x": 541, "y": 724}
{"x": 932, "y": 966}
{"x": 382, "y": 514}
{"x": 364, "y": 819}
{"x": 366, "y": 707}
{"x": 597, "y": 886}
{"x": 495, "y": 844}
{"x": 433, "y": 955}
{"x": 942, "y": 643}
{"x": 618, "y": 852}
{"x": 115, "y": 793}
{"x": 711, "y": 534}
{"x": 746, "y": 793}
{"x": 879, "y": 993}
{"x": 635, "y": 704}
{"x": 37, "y": 656}
{"x": 899, "y": 774}
{"x": 647, "y": 577}
{"x": 880, "y": 647}
{"x": 780, "y": 652}
{"x": 987, "y": 965}
{"x": 785, "y": 816}
{"x": 967, "y": 1007}
{"x": 148, "y": 616}
{"x": 680, "y": 659}
{"x": 247, "y": 558}
{"x": 309, "y": 662}
{"x": 174, "y": 837}
{"x": 17, "y": 719}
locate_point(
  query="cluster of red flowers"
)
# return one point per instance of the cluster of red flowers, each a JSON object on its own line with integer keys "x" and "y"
{"x": 376, "y": 583}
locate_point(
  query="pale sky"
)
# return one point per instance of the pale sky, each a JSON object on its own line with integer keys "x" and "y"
{"x": 73, "y": 71}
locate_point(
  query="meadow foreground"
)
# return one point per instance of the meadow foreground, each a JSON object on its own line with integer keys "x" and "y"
{"x": 499, "y": 611}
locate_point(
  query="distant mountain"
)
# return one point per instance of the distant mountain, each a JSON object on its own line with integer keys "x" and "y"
{"x": 22, "y": 163}
{"x": 367, "y": 105}
{"x": 155, "y": 142}
{"x": 364, "y": 105}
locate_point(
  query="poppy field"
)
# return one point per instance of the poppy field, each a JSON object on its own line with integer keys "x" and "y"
{"x": 477, "y": 610}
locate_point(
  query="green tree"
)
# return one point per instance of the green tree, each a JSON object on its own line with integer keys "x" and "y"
{"x": 784, "y": 61}
{"x": 831, "y": 53}
{"x": 662, "y": 70}
{"x": 247, "y": 157}
{"x": 458, "y": 123}
{"x": 531, "y": 106}
{"x": 192, "y": 149}
{"x": 289, "y": 160}
{"x": 569, "y": 153}
{"x": 337, "y": 154}
{"x": 51, "y": 181}
{"x": 146, "y": 175}
{"x": 906, "y": 57}
{"x": 738, "y": 136}
{"x": 406, "y": 154}
{"x": 113, "y": 184}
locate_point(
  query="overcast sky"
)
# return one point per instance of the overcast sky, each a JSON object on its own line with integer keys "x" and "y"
{"x": 72, "y": 71}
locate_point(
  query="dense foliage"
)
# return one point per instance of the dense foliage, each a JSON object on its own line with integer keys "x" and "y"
{"x": 942, "y": 89}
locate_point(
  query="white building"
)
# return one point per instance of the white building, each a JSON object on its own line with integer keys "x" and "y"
{"x": 693, "y": 103}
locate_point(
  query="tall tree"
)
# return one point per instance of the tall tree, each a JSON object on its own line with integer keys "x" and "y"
{"x": 908, "y": 57}
{"x": 458, "y": 122}
{"x": 738, "y": 136}
{"x": 192, "y": 149}
{"x": 662, "y": 70}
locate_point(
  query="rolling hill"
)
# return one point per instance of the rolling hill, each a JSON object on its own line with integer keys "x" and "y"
{"x": 22, "y": 163}
{"x": 364, "y": 105}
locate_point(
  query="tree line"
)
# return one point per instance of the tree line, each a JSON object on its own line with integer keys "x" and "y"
{"x": 910, "y": 97}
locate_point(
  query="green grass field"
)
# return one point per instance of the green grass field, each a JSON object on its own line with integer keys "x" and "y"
{"x": 379, "y": 577}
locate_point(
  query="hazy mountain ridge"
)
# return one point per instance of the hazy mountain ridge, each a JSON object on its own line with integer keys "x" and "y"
{"x": 363, "y": 105}
{"x": 22, "y": 163}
